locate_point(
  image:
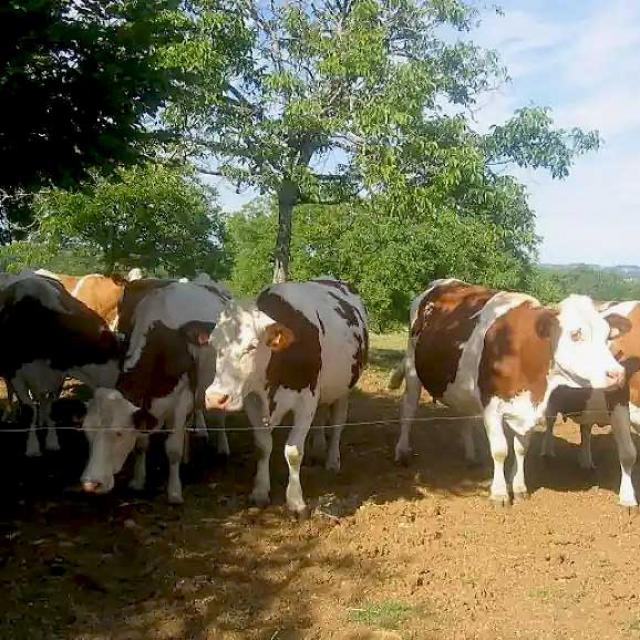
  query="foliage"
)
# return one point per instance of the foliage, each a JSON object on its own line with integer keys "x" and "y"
{"x": 600, "y": 284}
{"x": 366, "y": 88}
{"x": 150, "y": 216}
{"x": 77, "y": 80}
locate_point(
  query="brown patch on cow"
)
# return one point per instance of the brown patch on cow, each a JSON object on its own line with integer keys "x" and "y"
{"x": 443, "y": 324}
{"x": 164, "y": 359}
{"x": 517, "y": 354}
{"x": 360, "y": 357}
{"x": 626, "y": 350}
{"x": 345, "y": 287}
{"x": 134, "y": 292}
{"x": 346, "y": 310}
{"x": 298, "y": 366}
{"x": 102, "y": 294}
{"x": 30, "y": 330}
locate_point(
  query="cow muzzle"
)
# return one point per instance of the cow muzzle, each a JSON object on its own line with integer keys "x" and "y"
{"x": 217, "y": 400}
{"x": 616, "y": 377}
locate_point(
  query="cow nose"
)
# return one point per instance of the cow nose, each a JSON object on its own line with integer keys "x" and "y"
{"x": 90, "y": 486}
{"x": 217, "y": 400}
{"x": 616, "y": 377}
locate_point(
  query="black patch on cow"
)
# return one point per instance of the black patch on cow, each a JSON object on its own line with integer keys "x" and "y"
{"x": 346, "y": 310}
{"x": 30, "y": 330}
{"x": 133, "y": 294}
{"x": 298, "y": 366}
{"x": 194, "y": 330}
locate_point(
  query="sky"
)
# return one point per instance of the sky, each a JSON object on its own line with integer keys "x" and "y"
{"x": 581, "y": 58}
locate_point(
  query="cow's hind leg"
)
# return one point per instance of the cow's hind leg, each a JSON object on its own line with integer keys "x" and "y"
{"x": 318, "y": 452}
{"x": 518, "y": 483}
{"x": 493, "y": 422}
{"x": 24, "y": 397}
{"x": 410, "y": 400}
{"x": 339, "y": 412}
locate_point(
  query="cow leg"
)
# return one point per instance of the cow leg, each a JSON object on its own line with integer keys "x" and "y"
{"x": 222, "y": 443}
{"x": 139, "y": 479}
{"x": 254, "y": 409}
{"x": 294, "y": 453}
{"x": 174, "y": 447}
{"x": 469, "y": 442}
{"x": 518, "y": 484}
{"x": 318, "y": 451}
{"x": 584, "y": 457}
{"x": 620, "y": 423}
{"x": 200, "y": 423}
{"x": 548, "y": 449}
{"x": 23, "y": 395}
{"x": 410, "y": 400}
{"x": 51, "y": 442}
{"x": 339, "y": 412}
{"x": 493, "y": 423}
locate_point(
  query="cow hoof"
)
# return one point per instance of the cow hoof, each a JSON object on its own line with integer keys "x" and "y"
{"x": 259, "y": 499}
{"x": 499, "y": 501}
{"x": 402, "y": 458}
{"x": 33, "y": 452}
{"x": 299, "y": 514}
{"x": 628, "y": 504}
{"x": 176, "y": 498}
{"x": 520, "y": 496}
{"x": 136, "y": 485}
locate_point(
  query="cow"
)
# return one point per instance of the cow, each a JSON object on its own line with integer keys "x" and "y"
{"x": 167, "y": 367}
{"x": 501, "y": 354}
{"x": 589, "y": 406}
{"x": 299, "y": 347}
{"x": 45, "y": 335}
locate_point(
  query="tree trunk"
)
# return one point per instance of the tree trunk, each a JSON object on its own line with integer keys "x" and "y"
{"x": 287, "y": 199}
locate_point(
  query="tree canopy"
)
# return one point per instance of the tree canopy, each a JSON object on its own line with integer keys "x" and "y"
{"x": 369, "y": 90}
{"x": 150, "y": 216}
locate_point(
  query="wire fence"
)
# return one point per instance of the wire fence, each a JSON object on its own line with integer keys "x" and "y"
{"x": 249, "y": 427}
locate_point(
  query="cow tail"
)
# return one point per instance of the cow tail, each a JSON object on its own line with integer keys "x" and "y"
{"x": 397, "y": 377}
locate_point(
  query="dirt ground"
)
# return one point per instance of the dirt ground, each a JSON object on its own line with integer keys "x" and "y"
{"x": 387, "y": 553}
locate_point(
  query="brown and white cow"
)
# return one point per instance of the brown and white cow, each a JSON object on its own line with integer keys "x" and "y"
{"x": 587, "y": 406}
{"x": 299, "y": 347}
{"x": 501, "y": 354}
{"x": 45, "y": 335}
{"x": 168, "y": 365}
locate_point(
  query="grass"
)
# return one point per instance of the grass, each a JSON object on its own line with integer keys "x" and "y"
{"x": 388, "y": 614}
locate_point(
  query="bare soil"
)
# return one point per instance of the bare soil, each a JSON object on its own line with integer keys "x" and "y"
{"x": 387, "y": 553}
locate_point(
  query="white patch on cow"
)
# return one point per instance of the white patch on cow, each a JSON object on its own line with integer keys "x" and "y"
{"x": 621, "y": 308}
{"x": 45, "y": 292}
{"x": 463, "y": 393}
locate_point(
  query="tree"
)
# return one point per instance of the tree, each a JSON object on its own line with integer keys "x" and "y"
{"x": 78, "y": 81}
{"x": 149, "y": 216}
{"x": 367, "y": 87}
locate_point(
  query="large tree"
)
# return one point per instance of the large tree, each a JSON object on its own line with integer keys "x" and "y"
{"x": 78, "y": 78}
{"x": 338, "y": 98}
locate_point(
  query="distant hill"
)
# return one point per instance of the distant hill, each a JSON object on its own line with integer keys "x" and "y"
{"x": 626, "y": 271}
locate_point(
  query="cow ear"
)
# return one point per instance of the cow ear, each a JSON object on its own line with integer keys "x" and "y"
{"x": 198, "y": 332}
{"x": 547, "y": 323}
{"x": 619, "y": 325}
{"x": 144, "y": 421}
{"x": 278, "y": 337}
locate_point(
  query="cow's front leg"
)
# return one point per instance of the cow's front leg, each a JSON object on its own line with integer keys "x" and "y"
{"x": 294, "y": 453}
{"x": 519, "y": 485}
{"x": 585, "y": 458}
{"x": 174, "y": 447}
{"x": 493, "y": 423}
{"x": 621, "y": 425}
{"x": 254, "y": 408}
{"x": 548, "y": 449}
{"x": 139, "y": 479}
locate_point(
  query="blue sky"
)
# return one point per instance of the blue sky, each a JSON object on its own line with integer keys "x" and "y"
{"x": 582, "y": 59}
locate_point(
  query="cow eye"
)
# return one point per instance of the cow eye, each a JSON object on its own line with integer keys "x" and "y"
{"x": 576, "y": 335}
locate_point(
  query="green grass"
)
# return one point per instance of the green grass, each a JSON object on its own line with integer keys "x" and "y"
{"x": 386, "y": 350}
{"x": 388, "y": 614}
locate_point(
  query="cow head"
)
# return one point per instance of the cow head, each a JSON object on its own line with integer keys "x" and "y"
{"x": 244, "y": 339}
{"x": 580, "y": 336}
{"x": 112, "y": 426}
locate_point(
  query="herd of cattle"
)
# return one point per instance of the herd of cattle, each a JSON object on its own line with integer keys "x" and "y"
{"x": 159, "y": 353}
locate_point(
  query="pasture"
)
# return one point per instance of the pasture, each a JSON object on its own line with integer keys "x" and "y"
{"x": 388, "y": 552}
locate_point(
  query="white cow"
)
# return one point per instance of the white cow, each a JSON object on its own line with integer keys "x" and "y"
{"x": 300, "y": 346}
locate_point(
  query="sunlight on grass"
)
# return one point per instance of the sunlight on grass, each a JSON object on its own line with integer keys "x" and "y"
{"x": 388, "y": 614}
